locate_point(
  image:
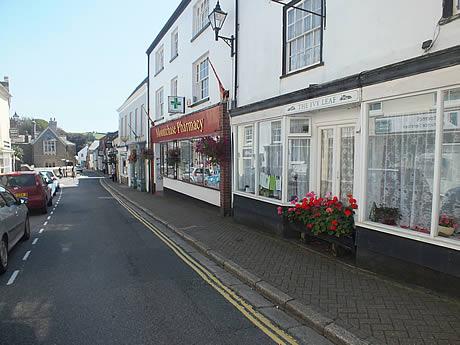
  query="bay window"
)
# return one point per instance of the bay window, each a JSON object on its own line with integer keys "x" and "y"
{"x": 413, "y": 164}
{"x": 245, "y": 171}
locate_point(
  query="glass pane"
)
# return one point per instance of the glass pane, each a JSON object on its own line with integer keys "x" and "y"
{"x": 245, "y": 170}
{"x": 449, "y": 220}
{"x": 298, "y": 168}
{"x": 299, "y": 126}
{"x": 270, "y": 161}
{"x": 197, "y": 169}
{"x": 171, "y": 160}
{"x": 347, "y": 154}
{"x": 327, "y": 161}
{"x": 400, "y": 163}
{"x": 185, "y": 158}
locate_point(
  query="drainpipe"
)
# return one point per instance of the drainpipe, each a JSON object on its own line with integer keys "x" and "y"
{"x": 150, "y": 169}
{"x": 235, "y": 92}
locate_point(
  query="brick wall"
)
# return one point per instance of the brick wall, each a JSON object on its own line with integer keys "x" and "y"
{"x": 225, "y": 167}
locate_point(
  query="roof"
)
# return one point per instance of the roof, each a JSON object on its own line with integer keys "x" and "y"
{"x": 65, "y": 142}
{"x": 138, "y": 86}
{"x": 182, "y": 6}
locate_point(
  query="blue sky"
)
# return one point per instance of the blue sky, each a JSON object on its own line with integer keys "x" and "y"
{"x": 77, "y": 60}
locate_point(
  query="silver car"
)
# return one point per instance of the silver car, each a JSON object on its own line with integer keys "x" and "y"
{"x": 14, "y": 224}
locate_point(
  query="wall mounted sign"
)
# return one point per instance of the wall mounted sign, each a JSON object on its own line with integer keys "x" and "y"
{"x": 176, "y": 105}
{"x": 329, "y": 101}
{"x": 200, "y": 124}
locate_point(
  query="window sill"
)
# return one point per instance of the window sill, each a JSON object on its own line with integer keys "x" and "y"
{"x": 156, "y": 73}
{"x": 260, "y": 198}
{"x": 158, "y": 120}
{"x": 412, "y": 235}
{"x": 447, "y": 20}
{"x": 194, "y": 37}
{"x": 173, "y": 58}
{"x": 304, "y": 69}
{"x": 204, "y": 100}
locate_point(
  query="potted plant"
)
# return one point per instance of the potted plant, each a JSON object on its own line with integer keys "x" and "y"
{"x": 384, "y": 214}
{"x": 446, "y": 225}
{"x": 326, "y": 218}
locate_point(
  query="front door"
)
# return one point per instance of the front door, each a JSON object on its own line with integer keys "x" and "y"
{"x": 336, "y": 160}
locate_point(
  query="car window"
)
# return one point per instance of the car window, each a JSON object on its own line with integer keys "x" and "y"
{"x": 2, "y": 201}
{"x": 18, "y": 180}
{"x": 9, "y": 198}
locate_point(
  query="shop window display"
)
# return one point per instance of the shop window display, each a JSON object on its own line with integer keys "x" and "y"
{"x": 270, "y": 158}
{"x": 400, "y": 172}
{"x": 245, "y": 171}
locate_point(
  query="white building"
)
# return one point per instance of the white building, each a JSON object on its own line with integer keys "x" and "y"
{"x": 82, "y": 155}
{"x": 92, "y": 155}
{"x": 6, "y": 152}
{"x": 133, "y": 129}
{"x": 185, "y": 65}
{"x": 352, "y": 103}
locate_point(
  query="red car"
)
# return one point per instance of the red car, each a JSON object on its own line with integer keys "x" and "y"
{"x": 29, "y": 185}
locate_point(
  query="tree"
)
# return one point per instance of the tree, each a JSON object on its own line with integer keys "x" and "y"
{"x": 18, "y": 152}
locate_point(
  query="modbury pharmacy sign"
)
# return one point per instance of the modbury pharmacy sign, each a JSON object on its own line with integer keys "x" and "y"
{"x": 329, "y": 101}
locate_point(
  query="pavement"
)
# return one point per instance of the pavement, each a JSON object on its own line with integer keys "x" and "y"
{"x": 332, "y": 296}
{"x": 95, "y": 274}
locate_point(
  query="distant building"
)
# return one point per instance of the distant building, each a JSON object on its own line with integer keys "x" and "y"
{"x": 49, "y": 149}
{"x": 81, "y": 155}
{"x": 91, "y": 160}
{"x": 6, "y": 151}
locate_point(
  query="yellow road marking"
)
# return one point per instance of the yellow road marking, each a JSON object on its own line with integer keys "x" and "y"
{"x": 275, "y": 333}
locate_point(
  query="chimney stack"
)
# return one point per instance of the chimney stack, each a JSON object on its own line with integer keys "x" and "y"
{"x": 53, "y": 124}
{"x": 34, "y": 131}
{"x": 6, "y": 82}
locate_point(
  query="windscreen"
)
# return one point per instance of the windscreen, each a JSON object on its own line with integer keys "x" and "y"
{"x": 17, "y": 180}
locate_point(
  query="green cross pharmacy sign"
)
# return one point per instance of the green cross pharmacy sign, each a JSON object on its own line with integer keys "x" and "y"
{"x": 176, "y": 105}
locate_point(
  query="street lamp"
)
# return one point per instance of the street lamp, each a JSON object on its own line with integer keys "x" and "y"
{"x": 217, "y": 18}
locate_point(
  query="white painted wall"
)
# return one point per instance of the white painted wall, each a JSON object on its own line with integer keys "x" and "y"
{"x": 82, "y": 154}
{"x": 198, "y": 192}
{"x": 6, "y": 153}
{"x": 359, "y": 35}
{"x": 189, "y": 52}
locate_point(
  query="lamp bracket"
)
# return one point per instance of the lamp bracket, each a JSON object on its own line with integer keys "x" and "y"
{"x": 230, "y": 41}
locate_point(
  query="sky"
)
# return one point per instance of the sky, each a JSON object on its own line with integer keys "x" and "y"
{"x": 77, "y": 61}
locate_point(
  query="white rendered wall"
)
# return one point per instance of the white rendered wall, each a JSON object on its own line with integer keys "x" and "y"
{"x": 198, "y": 192}
{"x": 189, "y": 52}
{"x": 359, "y": 35}
{"x": 137, "y": 101}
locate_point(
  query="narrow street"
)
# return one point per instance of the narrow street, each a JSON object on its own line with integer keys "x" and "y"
{"x": 95, "y": 275}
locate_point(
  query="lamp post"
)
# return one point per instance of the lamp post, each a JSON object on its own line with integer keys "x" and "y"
{"x": 217, "y": 18}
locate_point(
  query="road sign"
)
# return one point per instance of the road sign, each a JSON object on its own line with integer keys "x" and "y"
{"x": 176, "y": 105}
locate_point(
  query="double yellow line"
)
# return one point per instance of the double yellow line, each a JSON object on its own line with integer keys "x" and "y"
{"x": 259, "y": 320}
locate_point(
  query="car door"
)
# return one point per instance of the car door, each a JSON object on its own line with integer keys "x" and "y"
{"x": 16, "y": 213}
{"x": 8, "y": 218}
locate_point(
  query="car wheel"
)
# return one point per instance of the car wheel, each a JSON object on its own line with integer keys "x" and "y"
{"x": 3, "y": 255}
{"x": 50, "y": 202}
{"x": 26, "y": 235}
{"x": 44, "y": 209}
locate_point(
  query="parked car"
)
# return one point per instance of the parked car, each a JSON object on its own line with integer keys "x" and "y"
{"x": 31, "y": 186}
{"x": 79, "y": 168}
{"x": 14, "y": 224}
{"x": 49, "y": 182}
{"x": 54, "y": 179}
{"x": 196, "y": 174}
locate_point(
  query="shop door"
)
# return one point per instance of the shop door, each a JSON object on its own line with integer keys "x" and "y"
{"x": 336, "y": 160}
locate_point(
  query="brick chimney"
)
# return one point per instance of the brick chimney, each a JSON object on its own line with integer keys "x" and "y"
{"x": 53, "y": 124}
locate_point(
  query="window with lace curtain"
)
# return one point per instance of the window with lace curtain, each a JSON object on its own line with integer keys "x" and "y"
{"x": 401, "y": 165}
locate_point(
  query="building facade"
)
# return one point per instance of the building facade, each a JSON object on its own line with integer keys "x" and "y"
{"x": 49, "y": 149}
{"x": 82, "y": 155}
{"x": 6, "y": 151}
{"x": 133, "y": 126}
{"x": 188, "y": 75}
{"x": 345, "y": 106}
{"x": 91, "y": 160}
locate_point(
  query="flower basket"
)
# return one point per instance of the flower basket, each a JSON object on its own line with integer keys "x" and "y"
{"x": 173, "y": 157}
{"x": 325, "y": 218}
{"x": 147, "y": 154}
{"x": 213, "y": 148}
{"x": 132, "y": 157}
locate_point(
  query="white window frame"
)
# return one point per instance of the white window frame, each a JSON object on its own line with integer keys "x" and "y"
{"x": 174, "y": 85}
{"x": 303, "y": 35}
{"x": 141, "y": 120}
{"x": 401, "y": 232}
{"x": 199, "y": 93}
{"x": 174, "y": 44}
{"x": 159, "y": 103}
{"x": 49, "y": 147}
{"x": 457, "y": 7}
{"x": 200, "y": 16}
{"x": 159, "y": 59}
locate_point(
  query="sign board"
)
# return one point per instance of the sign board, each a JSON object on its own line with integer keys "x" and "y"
{"x": 417, "y": 122}
{"x": 176, "y": 105}
{"x": 199, "y": 124}
{"x": 329, "y": 101}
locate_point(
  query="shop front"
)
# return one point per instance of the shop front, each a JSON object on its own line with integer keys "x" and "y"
{"x": 283, "y": 153}
{"x": 137, "y": 166}
{"x": 395, "y": 146}
{"x": 185, "y": 161}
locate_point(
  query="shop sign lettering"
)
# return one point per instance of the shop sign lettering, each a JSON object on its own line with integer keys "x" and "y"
{"x": 324, "y": 102}
{"x": 180, "y": 127}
